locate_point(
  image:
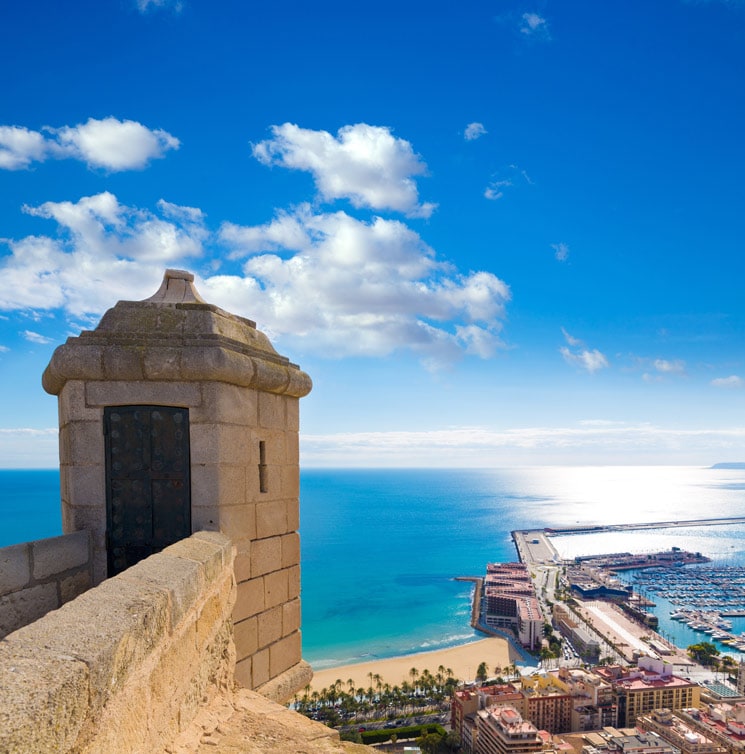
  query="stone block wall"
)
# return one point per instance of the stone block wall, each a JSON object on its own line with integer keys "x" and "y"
{"x": 128, "y": 664}
{"x": 36, "y": 577}
{"x": 244, "y": 483}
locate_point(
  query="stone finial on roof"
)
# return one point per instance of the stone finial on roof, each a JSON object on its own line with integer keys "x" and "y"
{"x": 177, "y": 288}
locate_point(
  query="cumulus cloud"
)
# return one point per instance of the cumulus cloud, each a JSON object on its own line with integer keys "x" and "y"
{"x": 474, "y": 131}
{"x": 348, "y": 286}
{"x": 111, "y": 144}
{"x": 35, "y": 337}
{"x": 561, "y": 251}
{"x": 365, "y": 164}
{"x": 667, "y": 366}
{"x": 531, "y": 24}
{"x": 733, "y": 381}
{"x": 4, "y": 349}
{"x": 104, "y": 251}
{"x": 359, "y": 287}
{"x": 19, "y": 147}
{"x": 576, "y": 354}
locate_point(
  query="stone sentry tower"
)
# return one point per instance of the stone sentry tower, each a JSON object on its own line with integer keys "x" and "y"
{"x": 176, "y": 416}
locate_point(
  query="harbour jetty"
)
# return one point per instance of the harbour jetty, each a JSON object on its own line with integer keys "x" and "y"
{"x": 556, "y": 531}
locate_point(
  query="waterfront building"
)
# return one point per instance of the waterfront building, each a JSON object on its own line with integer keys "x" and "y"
{"x": 724, "y": 723}
{"x": 741, "y": 678}
{"x": 510, "y": 602}
{"x": 681, "y": 734}
{"x": 465, "y": 703}
{"x": 548, "y": 703}
{"x": 593, "y": 700}
{"x": 584, "y": 642}
{"x": 502, "y": 730}
{"x": 649, "y": 686}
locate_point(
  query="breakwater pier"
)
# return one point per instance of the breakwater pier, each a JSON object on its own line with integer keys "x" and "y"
{"x": 556, "y": 531}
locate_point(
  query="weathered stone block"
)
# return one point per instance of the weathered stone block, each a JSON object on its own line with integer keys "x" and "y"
{"x": 73, "y": 405}
{"x": 143, "y": 393}
{"x": 238, "y": 521}
{"x": 22, "y": 607}
{"x": 123, "y": 362}
{"x": 242, "y": 564}
{"x": 83, "y": 443}
{"x": 276, "y": 588}
{"x": 271, "y": 411}
{"x": 43, "y": 700}
{"x": 270, "y": 626}
{"x": 15, "y": 568}
{"x": 162, "y": 363}
{"x": 111, "y": 629}
{"x": 293, "y": 514}
{"x": 74, "y": 585}
{"x": 271, "y": 519}
{"x": 84, "y": 486}
{"x": 247, "y": 636}
{"x": 260, "y": 670}
{"x": 228, "y": 404}
{"x": 290, "y": 550}
{"x": 293, "y": 582}
{"x": 284, "y": 654}
{"x": 180, "y": 579}
{"x": 290, "y": 617}
{"x": 290, "y": 481}
{"x": 212, "y": 552}
{"x": 266, "y": 555}
{"x": 244, "y": 672}
{"x": 249, "y": 599}
{"x": 56, "y": 554}
{"x": 292, "y": 414}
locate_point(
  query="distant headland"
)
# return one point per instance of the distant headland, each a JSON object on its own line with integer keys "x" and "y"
{"x": 732, "y": 465}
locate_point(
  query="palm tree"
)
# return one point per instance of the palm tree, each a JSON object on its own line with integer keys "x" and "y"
{"x": 414, "y": 673}
{"x": 481, "y": 672}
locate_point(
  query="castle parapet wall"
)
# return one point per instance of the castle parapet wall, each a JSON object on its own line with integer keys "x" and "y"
{"x": 127, "y": 665}
{"x": 36, "y": 577}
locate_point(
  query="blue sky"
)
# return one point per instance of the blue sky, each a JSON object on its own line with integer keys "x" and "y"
{"x": 493, "y": 233}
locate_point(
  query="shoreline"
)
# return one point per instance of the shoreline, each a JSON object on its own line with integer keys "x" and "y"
{"x": 462, "y": 659}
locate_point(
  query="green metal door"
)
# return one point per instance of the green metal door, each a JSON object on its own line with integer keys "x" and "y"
{"x": 148, "y": 493}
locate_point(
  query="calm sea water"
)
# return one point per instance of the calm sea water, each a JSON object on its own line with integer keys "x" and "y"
{"x": 380, "y": 548}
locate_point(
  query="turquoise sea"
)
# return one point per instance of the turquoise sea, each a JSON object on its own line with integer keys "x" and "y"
{"x": 380, "y": 547}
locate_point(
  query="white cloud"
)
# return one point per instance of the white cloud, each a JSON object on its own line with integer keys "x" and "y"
{"x": 4, "y": 349}
{"x": 494, "y": 190}
{"x": 110, "y": 144}
{"x": 666, "y": 366}
{"x": 354, "y": 287}
{"x": 733, "y": 381}
{"x": 533, "y": 25}
{"x": 561, "y": 251}
{"x": 596, "y": 441}
{"x": 579, "y": 356}
{"x": 35, "y": 337}
{"x": 114, "y": 144}
{"x": 145, "y": 5}
{"x": 105, "y": 251}
{"x": 365, "y": 164}
{"x": 474, "y": 131}
{"x": 19, "y": 147}
{"x": 26, "y": 448}
{"x": 346, "y": 285}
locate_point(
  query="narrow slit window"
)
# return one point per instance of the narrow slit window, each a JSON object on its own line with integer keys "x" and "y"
{"x": 262, "y": 466}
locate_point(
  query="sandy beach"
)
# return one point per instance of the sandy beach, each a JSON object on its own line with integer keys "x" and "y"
{"x": 463, "y": 660}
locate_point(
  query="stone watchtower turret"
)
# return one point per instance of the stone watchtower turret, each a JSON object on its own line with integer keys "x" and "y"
{"x": 176, "y": 416}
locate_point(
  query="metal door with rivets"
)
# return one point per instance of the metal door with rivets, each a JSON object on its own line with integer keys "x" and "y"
{"x": 148, "y": 493}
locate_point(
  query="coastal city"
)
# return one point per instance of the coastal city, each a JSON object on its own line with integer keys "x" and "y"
{"x": 590, "y": 673}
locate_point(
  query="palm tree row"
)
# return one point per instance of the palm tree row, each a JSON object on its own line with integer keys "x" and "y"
{"x": 342, "y": 701}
